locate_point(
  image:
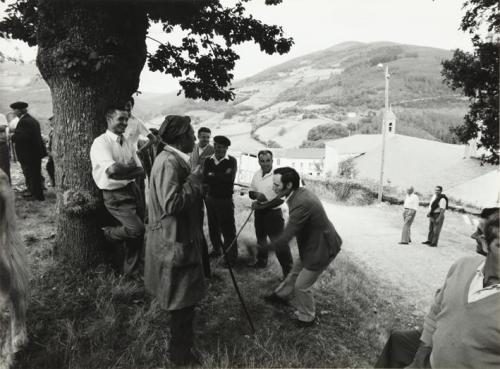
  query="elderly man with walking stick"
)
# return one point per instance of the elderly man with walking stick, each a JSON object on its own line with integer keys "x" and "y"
{"x": 173, "y": 268}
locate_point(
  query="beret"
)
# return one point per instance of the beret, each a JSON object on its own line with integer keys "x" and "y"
{"x": 222, "y": 140}
{"x": 19, "y": 105}
{"x": 173, "y": 126}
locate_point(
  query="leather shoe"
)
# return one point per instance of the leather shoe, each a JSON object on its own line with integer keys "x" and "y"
{"x": 432, "y": 245}
{"x": 274, "y": 299}
{"x": 426, "y": 243}
{"x": 402, "y": 243}
{"x": 303, "y": 324}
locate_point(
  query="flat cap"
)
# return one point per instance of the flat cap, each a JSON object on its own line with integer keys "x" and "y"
{"x": 173, "y": 126}
{"x": 222, "y": 140}
{"x": 19, "y": 105}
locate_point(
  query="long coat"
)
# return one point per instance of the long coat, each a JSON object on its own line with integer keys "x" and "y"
{"x": 317, "y": 240}
{"x": 28, "y": 140}
{"x": 173, "y": 269}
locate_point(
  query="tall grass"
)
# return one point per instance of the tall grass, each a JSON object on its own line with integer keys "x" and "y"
{"x": 100, "y": 320}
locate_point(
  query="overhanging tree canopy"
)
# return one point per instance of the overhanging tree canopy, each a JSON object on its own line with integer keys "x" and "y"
{"x": 91, "y": 53}
{"x": 476, "y": 74}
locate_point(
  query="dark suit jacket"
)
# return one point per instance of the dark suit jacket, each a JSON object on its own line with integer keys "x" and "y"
{"x": 317, "y": 239}
{"x": 28, "y": 140}
{"x": 197, "y": 159}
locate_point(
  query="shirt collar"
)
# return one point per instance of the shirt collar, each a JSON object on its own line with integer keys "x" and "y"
{"x": 113, "y": 136}
{"x": 183, "y": 155}
{"x": 262, "y": 176}
{"x": 218, "y": 161}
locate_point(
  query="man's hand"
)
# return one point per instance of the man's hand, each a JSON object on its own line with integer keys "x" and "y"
{"x": 259, "y": 196}
{"x": 421, "y": 359}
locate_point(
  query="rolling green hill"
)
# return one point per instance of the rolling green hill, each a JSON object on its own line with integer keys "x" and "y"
{"x": 341, "y": 85}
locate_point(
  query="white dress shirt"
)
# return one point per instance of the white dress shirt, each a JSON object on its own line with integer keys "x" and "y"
{"x": 135, "y": 129}
{"x": 104, "y": 152}
{"x": 411, "y": 202}
{"x": 476, "y": 289}
{"x": 264, "y": 184}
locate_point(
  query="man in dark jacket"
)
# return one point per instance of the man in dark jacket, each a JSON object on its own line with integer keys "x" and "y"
{"x": 219, "y": 172}
{"x": 317, "y": 240}
{"x": 30, "y": 149}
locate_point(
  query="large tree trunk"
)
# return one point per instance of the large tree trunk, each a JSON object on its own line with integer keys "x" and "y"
{"x": 91, "y": 56}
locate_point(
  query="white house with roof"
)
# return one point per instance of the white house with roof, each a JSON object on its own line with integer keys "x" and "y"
{"x": 309, "y": 162}
{"x": 423, "y": 164}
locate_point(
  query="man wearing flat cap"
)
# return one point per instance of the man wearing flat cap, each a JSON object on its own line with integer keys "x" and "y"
{"x": 219, "y": 173}
{"x": 173, "y": 269}
{"x": 30, "y": 149}
{"x": 115, "y": 168}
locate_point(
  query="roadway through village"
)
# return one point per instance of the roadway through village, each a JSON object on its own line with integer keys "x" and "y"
{"x": 371, "y": 235}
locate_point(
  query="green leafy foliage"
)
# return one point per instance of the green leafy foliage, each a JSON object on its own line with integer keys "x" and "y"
{"x": 203, "y": 60}
{"x": 476, "y": 74}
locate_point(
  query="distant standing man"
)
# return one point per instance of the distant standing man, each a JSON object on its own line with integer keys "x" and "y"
{"x": 30, "y": 149}
{"x": 4, "y": 146}
{"x": 219, "y": 172}
{"x": 268, "y": 222}
{"x": 410, "y": 209}
{"x": 317, "y": 240}
{"x": 201, "y": 151}
{"x": 115, "y": 168}
{"x": 50, "y": 167}
{"x": 173, "y": 269}
{"x": 437, "y": 207}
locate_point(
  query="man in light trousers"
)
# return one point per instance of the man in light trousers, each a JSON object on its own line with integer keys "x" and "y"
{"x": 410, "y": 209}
{"x": 317, "y": 240}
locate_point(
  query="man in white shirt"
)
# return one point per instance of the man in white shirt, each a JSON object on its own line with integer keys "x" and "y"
{"x": 136, "y": 128}
{"x": 437, "y": 207}
{"x": 268, "y": 222}
{"x": 115, "y": 168}
{"x": 410, "y": 209}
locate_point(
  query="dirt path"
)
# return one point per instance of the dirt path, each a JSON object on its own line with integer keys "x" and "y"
{"x": 371, "y": 235}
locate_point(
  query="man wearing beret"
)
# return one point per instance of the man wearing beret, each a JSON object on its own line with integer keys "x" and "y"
{"x": 173, "y": 269}
{"x": 115, "y": 168}
{"x": 30, "y": 149}
{"x": 219, "y": 173}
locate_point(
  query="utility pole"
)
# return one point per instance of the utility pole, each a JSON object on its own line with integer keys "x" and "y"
{"x": 384, "y": 132}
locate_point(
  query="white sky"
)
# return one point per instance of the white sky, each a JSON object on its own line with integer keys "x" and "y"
{"x": 319, "y": 24}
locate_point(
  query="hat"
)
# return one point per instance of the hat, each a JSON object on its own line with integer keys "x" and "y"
{"x": 19, "y": 105}
{"x": 222, "y": 140}
{"x": 173, "y": 126}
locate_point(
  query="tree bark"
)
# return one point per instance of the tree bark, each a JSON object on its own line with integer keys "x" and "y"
{"x": 91, "y": 55}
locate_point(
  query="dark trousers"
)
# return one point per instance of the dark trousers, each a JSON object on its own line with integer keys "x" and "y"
{"x": 51, "y": 171}
{"x": 399, "y": 350}
{"x": 32, "y": 171}
{"x": 220, "y": 214}
{"x": 125, "y": 205}
{"x": 270, "y": 223}
{"x": 435, "y": 225}
{"x": 4, "y": 156}
{"x": 181, "y": 335}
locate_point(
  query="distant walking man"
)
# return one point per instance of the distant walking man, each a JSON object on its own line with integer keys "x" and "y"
{"x": 219, "y": 172}
{"x": 410, "y": 209}
{"x": 173, "y": 269}
{"x": 437, "y": 207}
{"x": 317, "y": 240}
{"x": 30, "y": 149}
{"x": 115, "y": 168}
{"x": 269, "y": 222}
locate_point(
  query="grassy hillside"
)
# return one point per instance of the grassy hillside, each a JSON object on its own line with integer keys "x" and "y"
{"x": 341, "y": 86}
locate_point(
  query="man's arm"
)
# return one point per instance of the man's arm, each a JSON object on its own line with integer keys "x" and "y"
{"x": 298, "y": 217}
{"x": 120, "y": 171}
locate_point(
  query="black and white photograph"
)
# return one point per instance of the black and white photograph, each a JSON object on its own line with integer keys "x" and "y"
{"x": 249, "y": 184}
